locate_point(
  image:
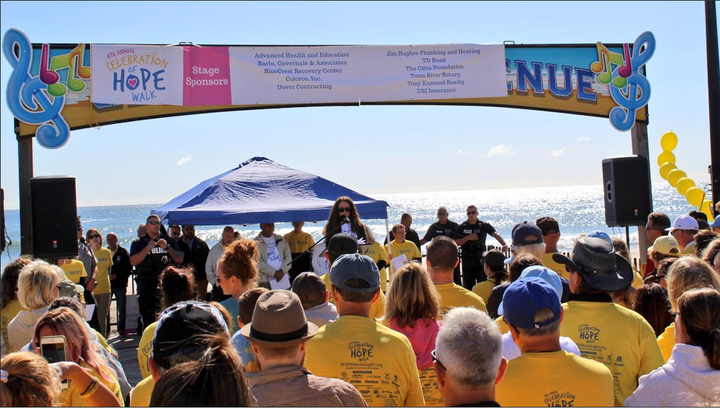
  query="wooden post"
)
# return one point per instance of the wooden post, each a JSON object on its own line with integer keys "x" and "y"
{"x": 25, "y": 173}
{"x": 640, "y": 148}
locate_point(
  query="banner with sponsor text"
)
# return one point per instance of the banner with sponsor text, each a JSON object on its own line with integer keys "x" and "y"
{"x": 204, "y": 76}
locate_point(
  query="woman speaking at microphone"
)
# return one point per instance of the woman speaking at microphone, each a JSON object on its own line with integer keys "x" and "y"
{"x": 344, "y": 218}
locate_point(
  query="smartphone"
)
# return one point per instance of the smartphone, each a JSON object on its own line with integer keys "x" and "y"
{"x": 54, "y": 349}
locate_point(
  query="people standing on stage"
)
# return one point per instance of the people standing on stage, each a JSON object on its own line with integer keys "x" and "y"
{"x": 471, "y": 236}
{"x": 119, "y": 275}
{"x": 86, "y": 256}
{"x": 101, "y": 293}
{"x": 399, "y": 247}
{"x": 299, "y": 242}
{"x": 410, "y": 233}
{"x": 274, "y": 255}
{"x": 443, "y": 227}
{"x": 228, "y": 236}
{"x": 174, "y": 232}
{"x": 150, "y": 254}
{"x": 196, "y": 255}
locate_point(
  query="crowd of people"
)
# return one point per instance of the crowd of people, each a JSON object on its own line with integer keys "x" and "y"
{"x": 283, "y": 321}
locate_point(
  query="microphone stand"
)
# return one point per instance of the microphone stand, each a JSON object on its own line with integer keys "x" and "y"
{"x": 332, "y": 232}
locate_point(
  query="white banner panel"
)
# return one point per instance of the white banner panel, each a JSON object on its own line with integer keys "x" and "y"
{"x": 272, "y": 75}
{"x": 137, "y": 75}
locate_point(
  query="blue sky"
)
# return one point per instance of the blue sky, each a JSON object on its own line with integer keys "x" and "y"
{"x": 372, "y": 149}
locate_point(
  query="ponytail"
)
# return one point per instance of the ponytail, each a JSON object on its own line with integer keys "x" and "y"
{"x": 700, "y": 315}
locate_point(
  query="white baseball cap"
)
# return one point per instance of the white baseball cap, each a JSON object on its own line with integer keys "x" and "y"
{"x": 684, "y": 222}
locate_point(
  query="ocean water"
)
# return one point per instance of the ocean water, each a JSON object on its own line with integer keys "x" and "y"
{"x": 578, "y": 209}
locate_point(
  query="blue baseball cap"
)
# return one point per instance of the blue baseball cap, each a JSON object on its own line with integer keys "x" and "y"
{"x": 525, "y": 297}
{"x": 544, "y": 273}
{"x": 355, "y": 266}
{"x": 600, "y": 235}
{"x": 715, "y": 223}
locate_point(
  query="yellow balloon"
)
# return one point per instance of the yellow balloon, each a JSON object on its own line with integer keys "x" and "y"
{"x": 695, "y": 196}
{"x": 684, "y": 184}
{"x": 665, "y": 168}
{"x": 674, "y": 176}
{"x": 669, "y": 141}
{"x": 666, "y": 157}
{"x": 705, "y": 208}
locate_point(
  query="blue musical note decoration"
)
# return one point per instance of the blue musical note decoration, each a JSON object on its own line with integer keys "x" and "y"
{"x": 27, "y": 95}
{"x": 636, "y": 93}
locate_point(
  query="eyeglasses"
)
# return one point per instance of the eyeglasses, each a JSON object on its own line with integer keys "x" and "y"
{"x": 650, "y": 227}
{"x": 94, "y": 236}
{"x": 343, "y": 209}
{"x": 471, "y": 212}
{"x": 434, "y": 355}
{"x": 154, "y": 223}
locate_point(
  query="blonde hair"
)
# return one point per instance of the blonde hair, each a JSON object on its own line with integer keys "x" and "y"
{"x": 36, "y": 284}
{"x": 689, "y": 272}
{"x": 411, "y": 296}
{"x": 64, "y": 321}
{"x": 240, "y": 260}
{"x": 30, "y": 381}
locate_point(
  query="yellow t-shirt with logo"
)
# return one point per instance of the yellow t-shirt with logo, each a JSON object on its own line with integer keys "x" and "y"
{"x": 74, "y": 270}
{"x": 377, "y": 252}
{"x": 555, "y": 379}
{"x": 378, "y": 361}
{"x": 104, "y": 262}
{"x": 666, "y": 341}
{"x": 431, "y": 393}
{"x": 6, "y": 315}
{"x": 145, "y": 349}
{"x": 452, "y": 295}
{"x": 377, "y": 308}
{"x": 299, "y": 242}
{"x": 70, "y": 397}
{"x": 560, "y": 269}
{"x": 615, "y": 336}
{"x": 141, "y": 393}
{"x": 408, "y": 248}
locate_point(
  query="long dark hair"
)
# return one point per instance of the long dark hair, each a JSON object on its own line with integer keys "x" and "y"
{"x": 653, "y": 303}
{"x": 700, "y": 315}
{"x": 10, "y": 279}
{"x": 334, "y": 218}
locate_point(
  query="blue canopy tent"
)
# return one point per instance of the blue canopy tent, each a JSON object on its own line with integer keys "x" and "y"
{"x": 260, "y": 191}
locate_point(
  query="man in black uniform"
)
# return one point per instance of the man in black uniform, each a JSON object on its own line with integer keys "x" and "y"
{"x": 471, "y": 239}
{"x": 150, "y": 254}
{"x": 443, "y": 227}
{"x": 119, "y": 274}
{"x": 196, "y": 254}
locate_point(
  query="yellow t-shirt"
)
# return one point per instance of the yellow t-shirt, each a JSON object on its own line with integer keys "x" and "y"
{"x": 378, "y": 361}
{"x": 299, "y": 242}
{"x": 431, "y": 393}
{"x": 452, "y": 295}
{"x": 408, "y": 248}
{"x": 557, "y": 379}
{"x": 377, "y": 309}
{"x": 6, "y": 315}
{"x": 560, "y": 269}
{"x": 377, "y": 252}
{"x": 502, "y": 325}
{"x": 484, "y": 288}
{"x": 637, "y": 281}
{"x": 74, "y": 271}
{"x": 140, "y": 395}
{"x": 104, "y": 262}
{"x": 615, "y": 336}
{"x": 70, "y": 397}
{"x": 666, "y": 341}
{"x": 145, "y": 349}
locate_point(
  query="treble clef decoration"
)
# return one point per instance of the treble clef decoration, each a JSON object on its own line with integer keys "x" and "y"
{"x": 636, "y": 93}
{"x": 27, "y": 97}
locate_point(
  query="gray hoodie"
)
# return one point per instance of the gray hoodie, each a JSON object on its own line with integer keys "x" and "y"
{"x": 22, "y": 327}
{"x": 686, "y": 380}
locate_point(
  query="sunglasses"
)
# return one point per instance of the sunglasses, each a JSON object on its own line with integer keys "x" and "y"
{"x": 442, "y": 214}
{"x": 154, "y": 223}
{"x": 471, "y": 212}
{"x": 434, "y": 355}
{"x": 94, "y": 236}
{"x": 343, "y": 209}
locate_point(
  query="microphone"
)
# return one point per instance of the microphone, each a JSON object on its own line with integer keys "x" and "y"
{"x": 345, "y": 219}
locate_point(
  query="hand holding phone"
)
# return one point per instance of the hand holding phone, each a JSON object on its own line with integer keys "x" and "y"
{"x": 54, "y": 349}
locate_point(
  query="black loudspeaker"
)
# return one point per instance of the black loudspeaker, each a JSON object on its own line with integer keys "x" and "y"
{"x": 54, "y": 217}
{"x": 626, "y": 184}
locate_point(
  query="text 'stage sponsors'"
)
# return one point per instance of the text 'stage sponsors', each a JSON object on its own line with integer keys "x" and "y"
{"x": 366, "y": 73}
{"x": 207, "y": 76}
{"x": 138, "y": 75}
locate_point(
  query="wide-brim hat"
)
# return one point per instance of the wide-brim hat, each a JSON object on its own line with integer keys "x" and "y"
{"x": 598, "y": 264}
{"x": 279, "y": 321}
